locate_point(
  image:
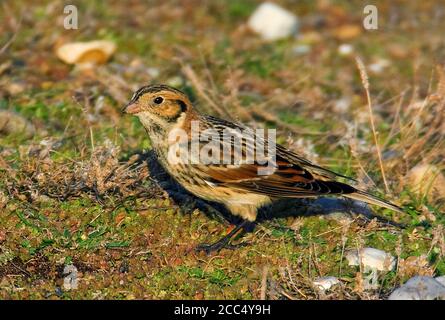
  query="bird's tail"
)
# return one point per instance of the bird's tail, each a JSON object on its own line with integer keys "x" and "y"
{"x": 369, "y": 198}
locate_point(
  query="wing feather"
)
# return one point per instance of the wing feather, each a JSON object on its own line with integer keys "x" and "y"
{"x": 292, "y": 175}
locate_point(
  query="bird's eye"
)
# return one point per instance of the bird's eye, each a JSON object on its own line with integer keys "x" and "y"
{"x": 158, "y": 100}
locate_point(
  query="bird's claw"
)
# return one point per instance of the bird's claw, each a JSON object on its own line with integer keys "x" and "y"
{"x": 217, "y": 246}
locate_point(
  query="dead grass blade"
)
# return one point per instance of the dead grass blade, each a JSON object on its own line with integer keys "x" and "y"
{"x": 365, "y": 82}
{"x": 197, "y": 83}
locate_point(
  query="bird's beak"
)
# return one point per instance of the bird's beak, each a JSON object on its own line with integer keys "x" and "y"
{"x": 132, "y": 108}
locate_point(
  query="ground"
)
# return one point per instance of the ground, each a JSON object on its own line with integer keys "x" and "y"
{"x": 76, "y": 187}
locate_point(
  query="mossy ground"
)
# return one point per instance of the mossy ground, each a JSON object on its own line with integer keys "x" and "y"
{"x": 128, "y": 238}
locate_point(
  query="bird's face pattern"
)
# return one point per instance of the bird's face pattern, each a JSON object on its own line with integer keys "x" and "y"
{"x": 159, "y": 108}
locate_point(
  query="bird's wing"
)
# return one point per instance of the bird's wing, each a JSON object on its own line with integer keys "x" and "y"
{"x": 290, "y": 176}
{"x": 286, "y": 179}
{"x": 292, "y": 157}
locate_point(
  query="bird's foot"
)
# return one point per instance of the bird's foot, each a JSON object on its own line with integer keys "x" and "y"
{"x": 217, "y": 246}
{"x": 222, "y": 243}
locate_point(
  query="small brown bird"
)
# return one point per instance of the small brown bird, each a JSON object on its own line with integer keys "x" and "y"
{"x": 240, "y": 186}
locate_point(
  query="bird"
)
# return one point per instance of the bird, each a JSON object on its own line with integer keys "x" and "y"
{"x": 242, "y": 186}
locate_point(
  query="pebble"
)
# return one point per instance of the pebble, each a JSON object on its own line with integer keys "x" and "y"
{"x": 175, "y": 81}
{"x": 345, "y": 49}
{"x": 70, "y": 281}
{"x": 301, "y": 49}
{"x": 273, "y": 22}
{"x": 153, "y": 72}
{"x": 15, "y": 88}
{"x": 379, "y": 66}
{"x": 419, "y": 288}
{"x": 441, "y": 280}
{"x": 371, "y": 259}
{"x": 325, "y": 283}
{"x": 342, "y": 105}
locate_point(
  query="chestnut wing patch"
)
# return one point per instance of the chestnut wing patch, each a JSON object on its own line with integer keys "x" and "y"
{"x": 293, "y": 176}
{"x": 288, "y": 180}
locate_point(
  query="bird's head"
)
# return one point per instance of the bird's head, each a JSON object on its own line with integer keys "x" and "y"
{"x": 159, "y": 106}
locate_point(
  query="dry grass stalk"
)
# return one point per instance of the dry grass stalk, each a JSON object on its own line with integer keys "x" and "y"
{"x": 365, "y": 82}
{"x": 16, "y": 31}
{"x": 192, "y": 76}
{"x": 264, "y": 283}
{"x": 99, "y": 176}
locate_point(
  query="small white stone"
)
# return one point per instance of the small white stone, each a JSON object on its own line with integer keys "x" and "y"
{"x": 419, "y": 288}
{"x": 273, "y": 22}
{"x": 342, "y": 105}
{"x": 91, "y": 118}
{"x": 441, "y": 280}
{"x": 301, "y": 49}
{"x": 371, "y": 259}
{"x": 345, "y": 49}
{"x": 153, "y": 72}
{"x": 325, "y": 283}
{"x": 379, "y": 66}
{"x": 175, "y": 81}
{"x": 70, "y": 281}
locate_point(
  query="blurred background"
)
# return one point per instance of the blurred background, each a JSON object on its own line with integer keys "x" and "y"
{"x": 71, "y": 163}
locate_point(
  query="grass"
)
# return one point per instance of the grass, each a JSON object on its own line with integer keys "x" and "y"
{"x": 79, "y": 191}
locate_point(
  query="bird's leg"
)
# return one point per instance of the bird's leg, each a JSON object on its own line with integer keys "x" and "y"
{"x": 223, "y": 242}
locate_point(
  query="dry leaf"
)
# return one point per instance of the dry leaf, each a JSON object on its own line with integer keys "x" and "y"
{"x": 347, "y": 32}
{"x": 92, "y": 52}
{"x": 413, "y": 266}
